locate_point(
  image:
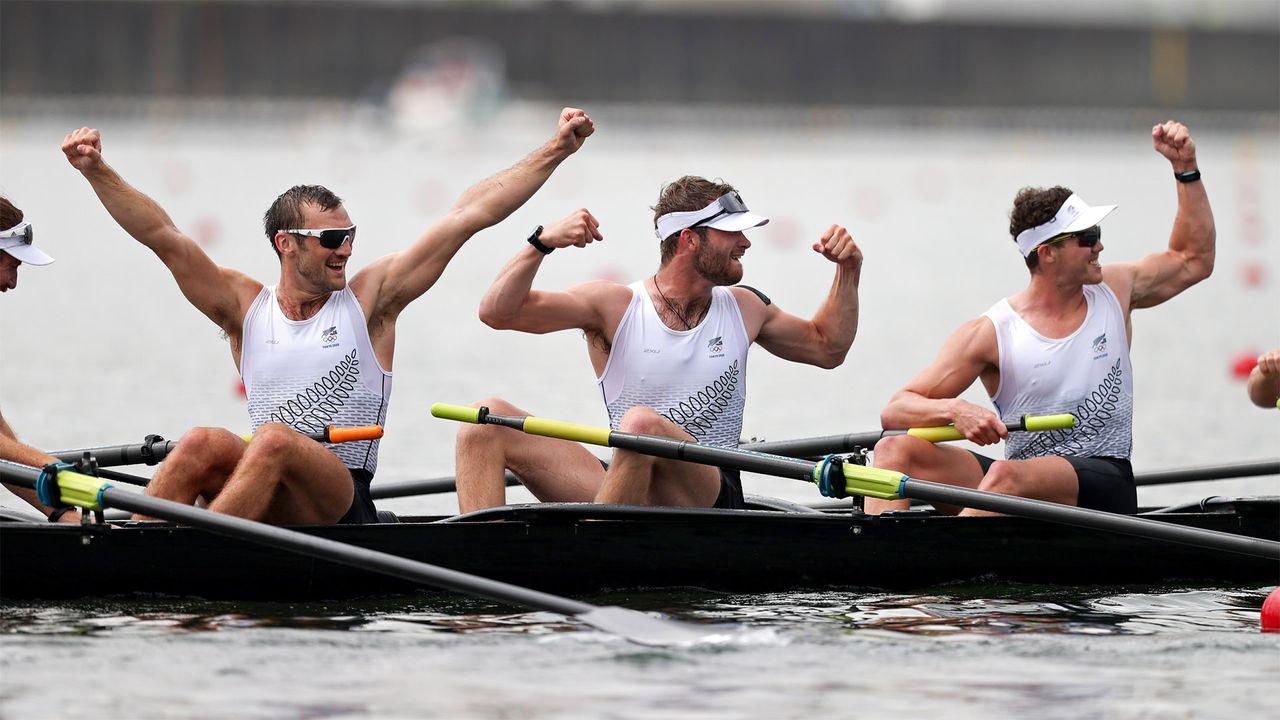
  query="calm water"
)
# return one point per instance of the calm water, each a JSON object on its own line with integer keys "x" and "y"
{"x": 928, "y": 209}
{"x": 994, "y": 651}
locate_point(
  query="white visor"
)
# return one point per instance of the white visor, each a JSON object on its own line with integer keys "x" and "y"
{"x": 720, "y": 219}
{"x": 17, "y": 242}
{"x": 1074, "y": 215}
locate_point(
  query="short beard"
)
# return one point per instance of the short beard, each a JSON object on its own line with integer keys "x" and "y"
{"x": 715, "y": 267}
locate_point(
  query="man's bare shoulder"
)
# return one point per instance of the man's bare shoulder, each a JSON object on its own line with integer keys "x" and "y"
{"x": 974, "y": 340}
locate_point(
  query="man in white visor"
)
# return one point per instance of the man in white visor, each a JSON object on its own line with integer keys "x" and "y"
{"x": 16, "y": 245}
{"x": 1059, "y": 346}
{"x": 17, "y": 239}
{"x": 669, "y": 351}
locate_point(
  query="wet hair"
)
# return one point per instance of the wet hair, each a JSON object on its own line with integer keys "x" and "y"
{"x": 686, "y": 194}
{"x": 286, "y": 211}
{"x": 1032, "y": 207}
{"x": 9, "y": 215}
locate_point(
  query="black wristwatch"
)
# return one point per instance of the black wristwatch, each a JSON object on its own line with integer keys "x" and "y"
{"x": 537, "y": 244}
{"x": 1188, "y": 176}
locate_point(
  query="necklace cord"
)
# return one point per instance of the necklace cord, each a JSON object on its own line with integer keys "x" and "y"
{"x": 672, "y": 306}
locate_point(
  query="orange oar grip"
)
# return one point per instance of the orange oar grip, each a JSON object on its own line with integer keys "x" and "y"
{"x": 351, "y": 434}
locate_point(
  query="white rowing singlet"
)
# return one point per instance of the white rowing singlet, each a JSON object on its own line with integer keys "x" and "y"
{"x": 315, "y": 372}
{"x": 1086, "y": 374}
{"x": 696, "y": 378}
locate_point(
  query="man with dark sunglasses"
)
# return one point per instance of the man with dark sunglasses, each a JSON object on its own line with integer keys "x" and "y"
{"x": 313, "y": 350}
{"x": 17, "y": 246}
{"x": 669, "y": 351}
{"x": 1059, "y": 346}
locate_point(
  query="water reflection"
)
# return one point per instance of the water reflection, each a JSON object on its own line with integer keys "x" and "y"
{"x": 958, "y": 612}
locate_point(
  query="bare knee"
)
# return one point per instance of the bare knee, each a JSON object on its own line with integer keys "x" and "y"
{"x": 1002, "y": 477}
{"x": 273, "y": 440}
{"x": 901, "y": 452}
{"x": 207, "y": 447}
{"x": 642, "y": 420}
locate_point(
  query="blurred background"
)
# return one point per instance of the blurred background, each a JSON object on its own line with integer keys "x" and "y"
{"x": 911, "y": 122}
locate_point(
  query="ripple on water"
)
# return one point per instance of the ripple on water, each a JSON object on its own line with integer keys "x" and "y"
{"x": 965, "y": 651}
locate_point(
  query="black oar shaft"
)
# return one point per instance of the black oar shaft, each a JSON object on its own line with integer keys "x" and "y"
{"x": 1071, "y": 515}
{"x": 823, "y": 445}
{"x": 342, "y": 553}
{"x": 148, "y": 453}
{"x": 709, "y": 455}
{"x": 424, "y": 487}
{"x": 1219, "y": 472}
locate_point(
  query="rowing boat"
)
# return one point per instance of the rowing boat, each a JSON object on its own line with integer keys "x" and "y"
{"x": 583, "y": 548}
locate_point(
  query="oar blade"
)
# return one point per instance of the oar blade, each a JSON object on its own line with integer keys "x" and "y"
{"x": 644, "y": 629}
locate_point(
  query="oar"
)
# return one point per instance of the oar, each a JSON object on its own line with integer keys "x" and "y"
{"x": 73, "y": 488}
{"x": 425, "y": 487}
{"x": 835, "y": 444}
{"x": 836, "y": 479}
{"x": 1210, "y": 472}
{"x": 154, "y": 448}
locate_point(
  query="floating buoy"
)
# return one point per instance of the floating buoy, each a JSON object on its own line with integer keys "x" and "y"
{"x": 1243, "y": 364}
{"x": 1271, "y": 612}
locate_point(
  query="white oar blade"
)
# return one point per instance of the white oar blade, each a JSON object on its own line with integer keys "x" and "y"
{"x": 647, "y": 629}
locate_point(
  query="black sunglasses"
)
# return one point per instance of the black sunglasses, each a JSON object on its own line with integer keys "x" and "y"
{"x": 1086, "y": 238}
{"x": 330, "y": 238}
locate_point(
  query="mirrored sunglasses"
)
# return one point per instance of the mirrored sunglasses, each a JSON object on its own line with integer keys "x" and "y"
{"x": 22, "y": 231}
{"x": 730, "y": 204}
{"x": 330, "y": 238}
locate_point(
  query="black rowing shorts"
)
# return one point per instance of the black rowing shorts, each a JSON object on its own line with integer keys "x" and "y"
{"x": 1105, "y": 483}
{"x": 362, "y": 510}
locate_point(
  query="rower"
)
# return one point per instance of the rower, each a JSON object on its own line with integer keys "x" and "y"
{"x": 1059, "y": 346}
{"x": 669, "y": 352}
{"x": 313, "y": 350}
{"x": 17, "y": 246}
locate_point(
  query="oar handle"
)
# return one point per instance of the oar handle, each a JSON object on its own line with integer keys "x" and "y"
{"x": 530, "y": 424}
{"x": 337, "y": 434}
{"x": 1028, "y": 423}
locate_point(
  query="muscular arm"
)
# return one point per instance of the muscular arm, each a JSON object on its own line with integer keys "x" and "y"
{"x": 930, "y": 398}
{"x": 1192, "y": 243}
{"x": 14, "y": 451}
{"x": 389, "y": 284}
{"x": 221, "y": 294}
{"x": 511, "y": 303}
{"x": 825, "y": 339}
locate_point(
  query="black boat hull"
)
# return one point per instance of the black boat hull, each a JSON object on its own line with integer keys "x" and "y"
{"x": 577, "y": 549}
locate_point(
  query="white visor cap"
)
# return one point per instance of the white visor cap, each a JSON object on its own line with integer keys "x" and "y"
{"x": 728, "y": 215}
{"x": 1074, "y": 215}
{"x": 17, "y": 242}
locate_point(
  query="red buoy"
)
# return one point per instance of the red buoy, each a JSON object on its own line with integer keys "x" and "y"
{"x": 1271, "y": 612}
{"x": 1243, "y": 364}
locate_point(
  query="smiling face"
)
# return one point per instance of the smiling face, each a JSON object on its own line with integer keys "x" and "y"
{"x": 1072, "y": 260}
{"x": 719, "y": 256}
{"x": 317, "y": 268}
{"x": 8, "y": 271}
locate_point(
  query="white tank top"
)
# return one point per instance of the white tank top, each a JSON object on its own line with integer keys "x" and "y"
{"x": 696, "y": 378}
{"x": 1086, "y": 373}
{"x": 315, "y": 372}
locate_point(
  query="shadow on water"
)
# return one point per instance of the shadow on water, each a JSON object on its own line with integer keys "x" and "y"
{"x": 972, "y": 610}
